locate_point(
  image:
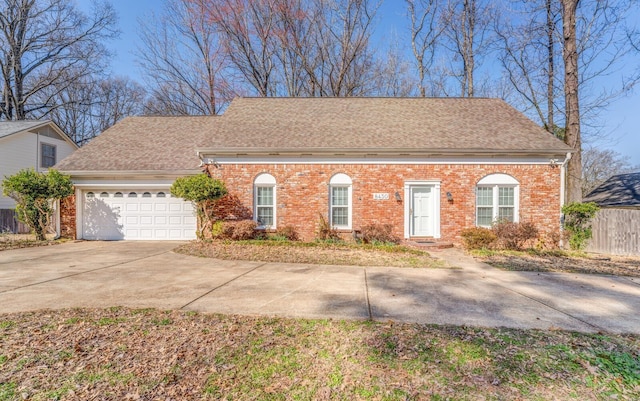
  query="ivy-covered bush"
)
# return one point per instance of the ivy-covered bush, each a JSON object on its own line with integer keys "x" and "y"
{"x": 34, "y": 194}
{"x": 577, "y": 221}
{"x": 478, "y": 238}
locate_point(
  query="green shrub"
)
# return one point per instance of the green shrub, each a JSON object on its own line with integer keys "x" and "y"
{"x": 514, "y": 236}
{"x": 199, "y": 189}
{"x": 478, "y": 237}
{"x": 577, "y": 221}
{"x": 34, "y": 194}
{"x": 378, "y": 233}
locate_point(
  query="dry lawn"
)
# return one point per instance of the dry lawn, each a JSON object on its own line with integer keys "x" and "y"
{"x": 562, "y": 262}
{"x": 312, "y": 253}
{"x": 17, "y": 241}
{"x": 124, "y": 354}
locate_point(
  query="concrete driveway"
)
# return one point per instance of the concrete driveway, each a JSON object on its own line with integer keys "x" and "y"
{"x": 149, "y": 274}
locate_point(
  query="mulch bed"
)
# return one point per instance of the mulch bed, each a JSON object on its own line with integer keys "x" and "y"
{"x": 311, "y": 253}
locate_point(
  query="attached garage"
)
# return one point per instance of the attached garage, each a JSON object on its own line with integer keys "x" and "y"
{"x": 135, "y": 214}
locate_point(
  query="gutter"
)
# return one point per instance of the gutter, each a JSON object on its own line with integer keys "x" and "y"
{"x": 208, "y": 152}
{"x": 563, "y": 179}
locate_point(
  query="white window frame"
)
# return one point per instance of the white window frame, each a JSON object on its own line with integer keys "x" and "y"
{"x": 495, "y": 182}
{"x": 264, "y": 180}
{"x": 341, "y": 180}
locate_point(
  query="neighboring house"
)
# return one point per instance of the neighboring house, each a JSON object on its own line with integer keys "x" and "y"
{"x": 28, "y": 144}
{"x": 616, "y": 227}
{"x": 429, "y": 167}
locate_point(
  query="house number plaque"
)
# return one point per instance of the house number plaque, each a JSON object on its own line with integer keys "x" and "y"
{"x": 380, "y": 196}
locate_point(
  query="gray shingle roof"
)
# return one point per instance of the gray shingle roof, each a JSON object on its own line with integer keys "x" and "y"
{"x": 13, "y": 127}
{"x": 446, "y": 124}
{"x": 143, "y": 144}
{"x": 620, "y": 190}
{"x": 315, "y": 124}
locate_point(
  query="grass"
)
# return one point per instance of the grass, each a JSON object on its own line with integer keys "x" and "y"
{"x": 327, "y": 253}
{"x": 201, "y": 356}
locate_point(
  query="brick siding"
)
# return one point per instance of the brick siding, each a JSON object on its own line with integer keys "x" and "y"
{"x": 302, "y": 193}
{"x": 68, "y": 217}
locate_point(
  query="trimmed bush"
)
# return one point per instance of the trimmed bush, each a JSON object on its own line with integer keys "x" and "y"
{"x": 512, "y": 235}
{"x": 478, "y": 238}
{"x": 378, "y": 233}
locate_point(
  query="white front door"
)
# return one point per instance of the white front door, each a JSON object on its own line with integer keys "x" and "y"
{"x": 422, "y": 211}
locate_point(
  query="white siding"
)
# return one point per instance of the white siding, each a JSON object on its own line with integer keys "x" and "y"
{"x": 22, "y": 150}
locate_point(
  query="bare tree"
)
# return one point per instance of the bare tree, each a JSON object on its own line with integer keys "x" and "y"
{"x": 393, "y": 74}
{"x": 297, "y": 47}
{"x": 44, "y": 44}
{"x": 467, "y": 24}
{"x": 572, "y": 99}
{"x": 90, "y": 106}
{"x": 529, "y": 49}
{"x": 600, "y": 164}
{"x": 425, "y": 31}
{"x": 183, "y": 63}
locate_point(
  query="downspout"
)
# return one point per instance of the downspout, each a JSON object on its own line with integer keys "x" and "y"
{"x": 563, "y": 179}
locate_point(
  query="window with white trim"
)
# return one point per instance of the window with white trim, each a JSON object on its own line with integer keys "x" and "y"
{"x": 497, "y": 199}
{"x": 264, "y": 189}
{"x": 340, "y": 201}
{"x": 47, "y": 155}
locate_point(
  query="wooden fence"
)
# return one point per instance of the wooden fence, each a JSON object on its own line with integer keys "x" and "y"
{"x": 616, "y": 232}
{"x": 10, "y": 224}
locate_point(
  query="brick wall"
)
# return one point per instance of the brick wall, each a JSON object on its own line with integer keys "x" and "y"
{"x": 302, "y": 192}
{"x": 68, "y": 217}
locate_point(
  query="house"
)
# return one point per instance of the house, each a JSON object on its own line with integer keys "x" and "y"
{"x": 616, "y": 226}
{"x": 28, "y": 144}
{"x": 619, "y": 191}
{"x": 430, "y": 167}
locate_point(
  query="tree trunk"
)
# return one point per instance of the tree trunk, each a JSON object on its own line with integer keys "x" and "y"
{"x": 572, "y": 130}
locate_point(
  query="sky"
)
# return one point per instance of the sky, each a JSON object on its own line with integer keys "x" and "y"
{"x": 622, "y": 119}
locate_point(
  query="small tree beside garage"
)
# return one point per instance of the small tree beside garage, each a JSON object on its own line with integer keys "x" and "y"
{"x": 35, "y": 194}
{"x": 201, "y": 190}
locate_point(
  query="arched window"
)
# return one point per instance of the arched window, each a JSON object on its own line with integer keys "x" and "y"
{"x": 117, "y": 195}
{"x": 340, "y": 201}
{"x": 497, "y": 199}
{"x": 132, "y": 195}
{"x": 104, "y": 194}
{"x": 91, "y": 195}
{"x": 160, "y": 195}
{"x": 146, "y": 195}
{"x": 264, "y": 190}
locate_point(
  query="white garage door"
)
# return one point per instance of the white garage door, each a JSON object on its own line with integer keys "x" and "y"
{"x": 136, "y": 215}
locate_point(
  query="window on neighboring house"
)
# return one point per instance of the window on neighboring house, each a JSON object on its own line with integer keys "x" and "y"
{"x": 340, "y": 201}
{"x": 497, "y": 199}
{"x": 265, "y": 200}
{"x": 47, "y": 155}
